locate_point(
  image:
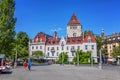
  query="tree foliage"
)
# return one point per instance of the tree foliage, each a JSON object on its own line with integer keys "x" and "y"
{"x": 7, "y": 23}
{"x": 38, "y": 54}
{"x": 116, "y": 52}
{"x": 21, "y": 44}
{"x": 83, "y": 57}
{"x": 99, "y": 42}
{"x": 63, "y": 57}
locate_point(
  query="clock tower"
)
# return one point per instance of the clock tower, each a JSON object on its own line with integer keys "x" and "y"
{"x": 74, "y": 28}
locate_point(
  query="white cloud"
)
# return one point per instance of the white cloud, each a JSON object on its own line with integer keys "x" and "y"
{"x": 57, "y": 30}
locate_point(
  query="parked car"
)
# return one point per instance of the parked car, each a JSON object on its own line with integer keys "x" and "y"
{"x": 5, "y": 66}
{"x": 20, "y": 63}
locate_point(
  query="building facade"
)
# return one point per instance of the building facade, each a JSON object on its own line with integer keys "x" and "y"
{"x": 110, "y": 42}
{"x": 52, "y": 46}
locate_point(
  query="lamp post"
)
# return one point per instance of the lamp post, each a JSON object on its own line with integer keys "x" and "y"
{"x": 90, "y": 49}
{"x": 77, "y": 59}
{"x": 15, "y": 63}
{"x": 100, "y": 63}
{"x": 62, "y": 53}
{"x": 62, "y": 59}
{"x": 91, "y": 60}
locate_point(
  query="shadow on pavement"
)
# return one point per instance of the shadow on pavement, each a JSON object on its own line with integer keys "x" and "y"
{"x": 6, "y": 73}
{"x": 42, "y": 64}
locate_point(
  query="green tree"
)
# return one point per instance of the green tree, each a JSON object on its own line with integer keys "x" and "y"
{"x": 7, "y": 23}
{"x": 116, "y": 52}
{"x": 103, "y": 50}
{"x": 82, "y": 57}
{"x": 63, "y": 57}
{"x": 99, "y": 43}
{"x": 21, "y": 44}
{"x": 37, "y": 54}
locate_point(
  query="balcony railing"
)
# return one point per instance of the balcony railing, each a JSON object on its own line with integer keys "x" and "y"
{"x": 52, "y": 50}
{"x": 72, "y": 49}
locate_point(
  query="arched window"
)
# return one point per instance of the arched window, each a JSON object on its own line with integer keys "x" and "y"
{"x": 74, "y": 34}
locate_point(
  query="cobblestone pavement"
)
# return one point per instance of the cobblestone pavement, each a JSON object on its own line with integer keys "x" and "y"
{"x": 57, "y": 72}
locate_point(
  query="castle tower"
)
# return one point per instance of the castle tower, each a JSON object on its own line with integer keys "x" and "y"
{"x": 55, "y": 35}
{"x": 74, "y": 28}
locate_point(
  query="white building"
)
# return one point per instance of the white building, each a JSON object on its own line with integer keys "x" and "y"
{"x": 52, "y": 46}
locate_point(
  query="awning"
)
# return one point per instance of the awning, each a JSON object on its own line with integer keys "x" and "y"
{"x": 2, "y": 55}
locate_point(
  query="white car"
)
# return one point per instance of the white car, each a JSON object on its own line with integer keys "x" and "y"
{"x": 6, "y": 68}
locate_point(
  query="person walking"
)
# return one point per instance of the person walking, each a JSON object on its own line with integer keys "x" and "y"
{"x": 25, "y": 64}
{"x": 29, "y": 64}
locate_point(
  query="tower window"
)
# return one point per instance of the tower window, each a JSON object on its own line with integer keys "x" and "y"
{"x": 73, "y": 27}
{"x": 74, "y": 34}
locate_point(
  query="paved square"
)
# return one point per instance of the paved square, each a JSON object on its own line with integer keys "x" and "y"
{"x": 57, "y": 72}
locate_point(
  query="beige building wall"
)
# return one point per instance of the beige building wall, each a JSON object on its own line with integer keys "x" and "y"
{"x": 70, "y": 31}
{"x": 109, "y": 47}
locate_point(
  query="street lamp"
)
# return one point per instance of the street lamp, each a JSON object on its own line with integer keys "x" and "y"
{"x": 91, "y": 60}
{"x": 62, "y": 53}
{"x": 90, "y": 49}
{"x": 100, "y": 63}
{"x": 15, "y": 63}
{"x": 77, "y": 59}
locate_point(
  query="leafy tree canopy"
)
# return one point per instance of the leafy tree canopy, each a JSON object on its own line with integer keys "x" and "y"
{"x": 7, "y": 23}
{"x": 63, "y": 57}
{"x": 21, "y": 44}
{"x": 37, "y": 53}
{"x": 116, "y": 52}
{"x": 83, "y": 57}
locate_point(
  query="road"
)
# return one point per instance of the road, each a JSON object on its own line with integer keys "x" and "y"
{"x": 66, "y": 72}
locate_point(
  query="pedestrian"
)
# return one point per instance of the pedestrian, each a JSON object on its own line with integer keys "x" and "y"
{"x": 29, "y": 64}
{"x": 25, "y": 64}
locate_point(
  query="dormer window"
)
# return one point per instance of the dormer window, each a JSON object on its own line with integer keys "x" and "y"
{"x": 37, "y": 39}
{"x": 62, "y": 44}
{"x": 89, "y": 39}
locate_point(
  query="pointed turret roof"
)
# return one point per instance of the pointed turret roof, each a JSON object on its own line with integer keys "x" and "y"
{"x": 73, "y": 20}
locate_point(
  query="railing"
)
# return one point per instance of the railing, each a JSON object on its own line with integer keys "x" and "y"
{"x": 52, "y": 50}
{"x": 72, "y": 49}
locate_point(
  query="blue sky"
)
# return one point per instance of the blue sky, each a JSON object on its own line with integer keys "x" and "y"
{"x": 35, "y": 16}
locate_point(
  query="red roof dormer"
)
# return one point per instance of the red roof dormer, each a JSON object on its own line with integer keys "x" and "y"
{"x": 73, "y": 20}
{"x": 89, "y": 35}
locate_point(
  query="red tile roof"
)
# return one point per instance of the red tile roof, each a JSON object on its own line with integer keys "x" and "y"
{"x": 73, "y": 20}
{"x": 51, "y": 40}
{"x": 89, "y": 34}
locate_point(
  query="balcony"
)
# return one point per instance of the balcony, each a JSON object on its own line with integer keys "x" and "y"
{"x": 52, "y": 50}
{"x": 72, "y": 49}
